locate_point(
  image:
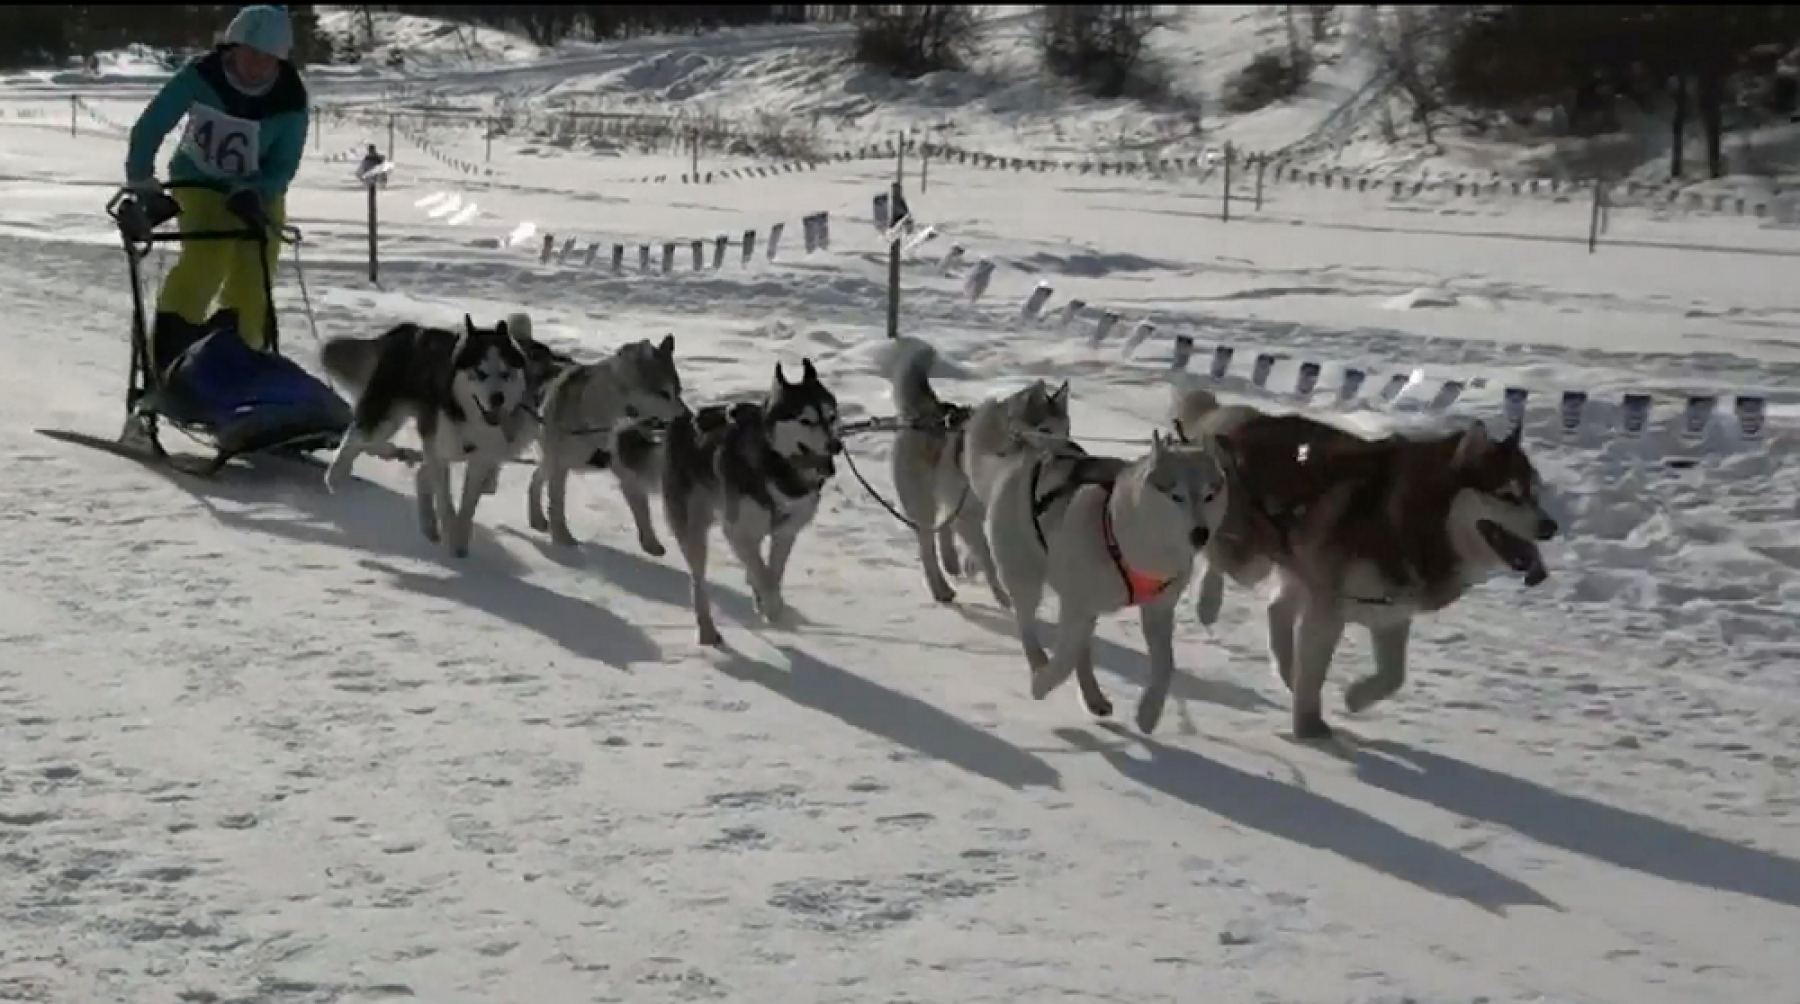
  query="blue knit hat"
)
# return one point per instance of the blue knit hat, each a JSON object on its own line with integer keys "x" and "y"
{"x": 263, "y": 28}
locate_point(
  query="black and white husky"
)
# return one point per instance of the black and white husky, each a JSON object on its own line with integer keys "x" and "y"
{"x": 757, "y": 469}
{"x": 467, "y": 393}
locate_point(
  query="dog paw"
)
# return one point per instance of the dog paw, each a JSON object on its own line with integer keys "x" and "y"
{"x": 1099, "y": 706}
{"x": 538, "y": 522}
{"x": 773, "y": 609}
{"x": 1310, "y": 725}
{"x": 710, "y": 637}
{"x": 1207, "y": 610}
{"x": 653, "y": 547}
{"x": 942, "y": 592}
{"x": 1045, "y": 681}
{"x": 564, "y": 538}
{"x": 1360, "y": 696}
{"x": 1149, "y": 714}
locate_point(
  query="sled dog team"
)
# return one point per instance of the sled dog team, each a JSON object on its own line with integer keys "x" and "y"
{"x": 1353, "y": 530}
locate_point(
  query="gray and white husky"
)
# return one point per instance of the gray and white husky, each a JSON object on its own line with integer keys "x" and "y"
{"x": 1105, "y": 534}
{"x": 1360, "y": 531}
{"x": 929, "y": 480}
{"x": 607, "y": 415}
{"x": 756, "y": 469}
{"x": 466, "y": 392}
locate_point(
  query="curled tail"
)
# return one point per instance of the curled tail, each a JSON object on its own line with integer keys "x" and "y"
{"x": 351, "y": 360}
{"x": 1187, "y": 407}
{"x": 910, "y": 379}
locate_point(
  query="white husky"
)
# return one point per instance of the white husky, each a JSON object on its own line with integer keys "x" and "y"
{"x": 1105, "y": 534}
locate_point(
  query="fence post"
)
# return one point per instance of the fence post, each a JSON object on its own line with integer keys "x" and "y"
{"x": 390, "y": 135}
{"x": 1262, "y": 165}
{"x": 925, "y": 167}
{"x": 74, "y": 103}
{"x": 893, "y": 304}
{"x": 1594, "y": 216}
{"x": 374, "y": 231}
{"x": 489, "y": 155}
{"x": 1225, "y": 196}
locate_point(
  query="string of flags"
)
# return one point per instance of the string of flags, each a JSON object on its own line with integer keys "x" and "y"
{"x": 1635, "y": 408}
{"x": 1749, "y": 411}
{"x": 815, "y": 235}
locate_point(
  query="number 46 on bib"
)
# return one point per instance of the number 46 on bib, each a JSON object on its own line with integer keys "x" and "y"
{"x": 222, "y": 145}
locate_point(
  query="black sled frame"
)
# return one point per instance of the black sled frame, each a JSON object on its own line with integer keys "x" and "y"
{"x": 147, "y": 406}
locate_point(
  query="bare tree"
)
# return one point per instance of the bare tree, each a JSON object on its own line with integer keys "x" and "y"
{"x": 1407, "y": 42}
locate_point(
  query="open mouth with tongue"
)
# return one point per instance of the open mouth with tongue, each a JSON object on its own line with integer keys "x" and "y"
{"x": 1520, "y": 555}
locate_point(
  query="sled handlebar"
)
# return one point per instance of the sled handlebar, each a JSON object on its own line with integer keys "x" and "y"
{"x": 137, "y": 215}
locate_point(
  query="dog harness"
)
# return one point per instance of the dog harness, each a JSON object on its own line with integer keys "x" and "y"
{"x": 1093, "y": 471}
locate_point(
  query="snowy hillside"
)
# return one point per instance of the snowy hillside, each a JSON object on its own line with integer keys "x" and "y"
{"x": 263, "y": 743}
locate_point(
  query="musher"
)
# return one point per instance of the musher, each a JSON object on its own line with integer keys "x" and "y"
{"x": 247, "y": 119}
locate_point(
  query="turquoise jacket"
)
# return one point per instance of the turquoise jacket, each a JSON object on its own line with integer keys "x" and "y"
{"x": 232, "y": 139}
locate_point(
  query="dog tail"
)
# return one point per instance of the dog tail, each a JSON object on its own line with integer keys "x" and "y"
{"x": 910, "y": 378}
{"x": 1187, "y": 406}
{"x": 351, "y": 360}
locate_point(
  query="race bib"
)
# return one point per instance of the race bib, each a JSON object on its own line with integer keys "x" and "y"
{"x": 222, "y": 145}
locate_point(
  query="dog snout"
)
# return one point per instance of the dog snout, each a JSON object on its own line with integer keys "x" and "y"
{"x": 835, "y": 447}
{"x": 1546, "y": 528}
{"x": 496, "y": 400}
{"x": 1198, "y": 537}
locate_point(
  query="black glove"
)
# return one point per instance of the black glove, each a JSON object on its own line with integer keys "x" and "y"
{"x": 247, "y": 205}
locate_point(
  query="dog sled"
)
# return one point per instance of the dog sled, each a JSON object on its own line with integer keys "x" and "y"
{"x": 220, "y": 392}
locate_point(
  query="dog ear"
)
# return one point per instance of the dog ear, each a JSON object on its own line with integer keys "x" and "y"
{"x": 468, "y": 325}
{"x": 807, "y": 373}
{"x": 781, "y": 379}
{"x": 666, "y": 348}
{"x": 1515, "y": 437}
{"x": 502, "y": 330}
{"x": 1060, "y": 396}
{"x": 1474, "y": 444}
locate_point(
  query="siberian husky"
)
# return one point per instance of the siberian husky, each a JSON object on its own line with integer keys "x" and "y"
{"x": 1105, "y": 534}
{"x": 1358, "y": 531}
{"x": 757, "y": 469}
{"x": 606, "y": 415}
{"x": 929, "y": 478}
{"x": 468, "y": 395}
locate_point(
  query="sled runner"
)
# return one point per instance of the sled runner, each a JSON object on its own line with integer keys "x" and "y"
{"x": 218, "y": 391}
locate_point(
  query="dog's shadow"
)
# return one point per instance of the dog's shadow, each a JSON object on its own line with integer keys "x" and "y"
{"x": 272, "y": 495}
{"x": 288, "y": 499}
{"x": 1304, "y": 817}
{"x": 1620, "y": 837}
{"x": 659, "y": 580}
{"x": 587, "y": 630}
{"x": 810, "y": 682}
{"x": 1126, "y": 663}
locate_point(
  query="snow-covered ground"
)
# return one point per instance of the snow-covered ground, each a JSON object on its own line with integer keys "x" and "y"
{"x": 263, "y": 743}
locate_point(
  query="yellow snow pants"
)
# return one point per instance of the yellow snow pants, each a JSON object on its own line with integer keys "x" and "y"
{"x": 226, "y": 270}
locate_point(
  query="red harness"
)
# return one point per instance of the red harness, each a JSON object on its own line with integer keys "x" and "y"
{"x": 1139, "y": 587}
